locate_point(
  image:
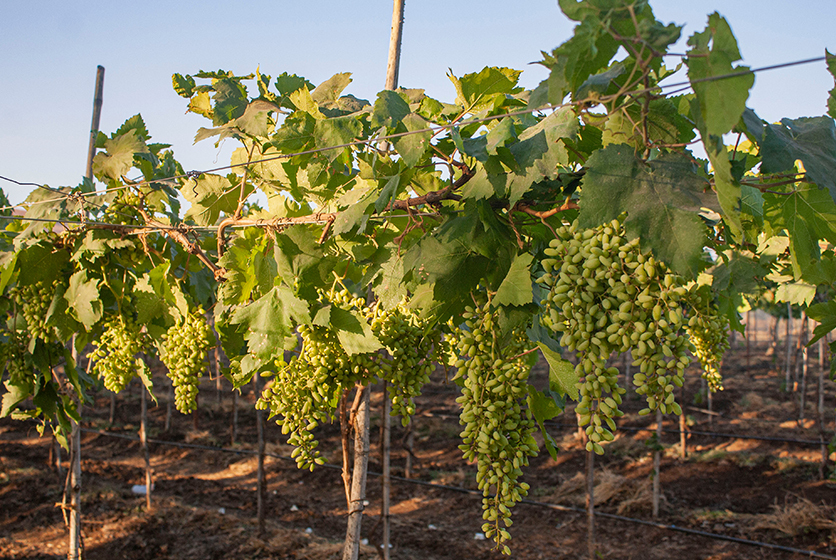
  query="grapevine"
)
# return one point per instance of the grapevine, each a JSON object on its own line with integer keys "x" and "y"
{"x": 498, "y": 431}
{"x": 115, "y": 354}
{"x": 184, "y": 354}
{"x": 606, "y": 296}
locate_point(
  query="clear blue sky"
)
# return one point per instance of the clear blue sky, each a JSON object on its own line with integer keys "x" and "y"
{"x": 50, "y": 50}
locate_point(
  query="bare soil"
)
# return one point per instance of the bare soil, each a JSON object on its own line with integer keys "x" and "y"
{"x": 204, "y": 501}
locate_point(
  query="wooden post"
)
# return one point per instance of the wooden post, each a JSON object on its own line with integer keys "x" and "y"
{"x": 94, "y": 125}
{"x": 393, "y": 65}
{"x": 261, "y": 482}
{"x": 590, "y": 505}
{"x": 657, "y": 465}
{"x": 143, "y": 442}
{"x": 169, "y": 405}
{"x": 358, "y": 477}
{"x": 748, "y": 334}
{"x": 218, "y": 380}
{"x": 234, "y": 416}
{"x": 803, "y": 340}
{"x": 820, "y": 410}
{"x": 789, "y": 348}
{"x": 75, "y": 544}
{"x": 112, "y": 416}
{"x": 386, "y": 479}
{"x": 683, "y": 452}
{"x": 395, "y": 37}
{"x": 410, "y": 444}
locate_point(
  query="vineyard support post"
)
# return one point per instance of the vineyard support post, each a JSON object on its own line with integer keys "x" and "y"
{"x": 803, "y": 339}
{"x": 386, "y": 441}
{"x": 683, "y": 451}
{"x": 392, "y": 70}
{"x": 261, "y": 483}
{"x": 590, "y": 504}
{"x": 168, "y": 405}
{"x": 410, "y": 444}
{"x": 143, "y": 442}
{"x": 112, "y": 416}
{"x": 748, "y": 334}
{"x": 234, "y": 429}
{"x": 820, "y": 410}
{"x": 657, "y": 464}
{"x": 358, "y": 479}
{"x": 789, "y": 347}
{"x": 218, "y": 380}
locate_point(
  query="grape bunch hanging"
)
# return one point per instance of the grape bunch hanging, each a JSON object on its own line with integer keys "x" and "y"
{"x": 184, "y": 349}
{"x": 115, "y": 355}
{"x": 498, "y": 429}
{"x": 606, "y": 296}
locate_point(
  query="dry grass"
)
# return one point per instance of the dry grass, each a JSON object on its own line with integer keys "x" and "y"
{"x": 793, "y": 519}
{"x": 609, "y": 486}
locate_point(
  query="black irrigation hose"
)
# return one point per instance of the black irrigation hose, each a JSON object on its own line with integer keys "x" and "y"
{"x": 557, "y": 507}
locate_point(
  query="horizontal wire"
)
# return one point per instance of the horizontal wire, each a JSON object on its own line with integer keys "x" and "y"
{"x": 432, "y": 129}
{"x": 557, "y": 507}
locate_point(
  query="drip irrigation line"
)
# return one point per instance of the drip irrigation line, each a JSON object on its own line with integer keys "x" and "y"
{"x": 435, "y": 129}
{"x": 556, "y": 507}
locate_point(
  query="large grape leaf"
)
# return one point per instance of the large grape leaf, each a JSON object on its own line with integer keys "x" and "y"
{"x": 118, "y": 157}
{"x": 810, "y": 139}
{"x": 661, "y": 197}
{"x": 475, "y": 92}
{"x": 354, "y": 332}
{"x": 83, "y": 299}
{"x": 516, "y": 287}
{"x": 336, "y": 132}
{"x": 270, "y": 319}
{"x": 723, "y": 100}
{"x": 210, "y": 195}
{"x": 808, "y": 214}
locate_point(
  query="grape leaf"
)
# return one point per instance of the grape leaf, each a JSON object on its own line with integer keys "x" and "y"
{"x": 808, "y": 214}
{"x": 210, "y": 195}
{"x": 270, "y": 319}
{"x": 413, "y": 146}
{"x": 82, "y": 296}
{"x": 327, "y": 92}
{"x": 477, "y": 91}
{"x": 562, "y": 376}
{"x": 354, "y": 333}
{"x": 796, "y": 293}
{"x": 825, "y": 314}
{"x": 661, "y": 197}
{"x": 810, "y": 139}
{"x": 336, "y": 132}
{"x": 118, "y": 157}
{"x": 516, "y": 287}
{"x": 721, "y": 101}
{"x": 390, "y": 108}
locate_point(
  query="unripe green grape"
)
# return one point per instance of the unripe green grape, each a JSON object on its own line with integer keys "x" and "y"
{"x": 185, "y": 345}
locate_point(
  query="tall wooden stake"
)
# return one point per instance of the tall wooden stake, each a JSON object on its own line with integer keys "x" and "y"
{"x": 143, "y": 442}
{"x": 75, "y": 544}
{"x": 657, "y": 465}
{"x": 803, "y": 392}
{"x": 234, "y": 435}
{"x": 261, "y": 482}
{"x": 169, "y": 405}
{"x": 386, "y": 442}
{"x": 410, "y": 444}
{"x": 393, "y": 65}
{"x": 590, "y": 504}
{"x": 820, "y": 410}
{"x": 358, "y": 478}
{"x": 787, "y": 387}
{"x": 683, "y": 451}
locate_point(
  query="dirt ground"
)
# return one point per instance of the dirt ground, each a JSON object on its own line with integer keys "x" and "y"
{"x": 204, "y": 501}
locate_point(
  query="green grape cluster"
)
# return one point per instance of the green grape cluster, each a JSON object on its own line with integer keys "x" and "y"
{"x": 115, "y": 355}
{"x": 709, "y": 332}
{"x": 14, "y": 356}
{"x": 606, "y": 296}
{"x": 185, "y": 345}
{"x": 34, "y": 300}
{"x": 123, "y": 211}
{"x": 498, "y": 431}
{"x": 411, "y": 346}
{"x": 306, "y": 391}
